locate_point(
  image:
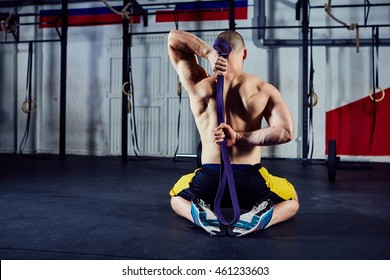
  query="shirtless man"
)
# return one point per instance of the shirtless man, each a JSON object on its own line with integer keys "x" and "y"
{"x": 267, "y": 199}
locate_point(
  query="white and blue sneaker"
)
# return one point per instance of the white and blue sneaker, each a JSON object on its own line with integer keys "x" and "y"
{"x": 205, "y": 218}
{"x": 256, "y": 219}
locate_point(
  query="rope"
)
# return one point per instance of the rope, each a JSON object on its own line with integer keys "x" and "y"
{"x": 123, "y": 13}
{"x": 3, "y": 25}
{"x": 352, "y": 26}
{"x": 8, "y": 25}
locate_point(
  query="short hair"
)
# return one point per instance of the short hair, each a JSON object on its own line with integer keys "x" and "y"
{"x": 234, "y": 38}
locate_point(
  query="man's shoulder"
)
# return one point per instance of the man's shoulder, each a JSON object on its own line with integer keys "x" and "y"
{"x": 250, "y": 79}
{"x": 250, "y": 83}
{"x": 204, "y": 87}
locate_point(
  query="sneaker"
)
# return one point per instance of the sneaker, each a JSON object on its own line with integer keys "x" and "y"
{"x": 256, "y": 219}
{"x": 205, "y": 218}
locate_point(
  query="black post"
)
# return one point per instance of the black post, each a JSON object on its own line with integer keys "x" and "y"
{"x": 305, "y": 77}
{"x": 64, "y": 42}
{"x": 125, "y": 78}
{"x": 232, "y": 16}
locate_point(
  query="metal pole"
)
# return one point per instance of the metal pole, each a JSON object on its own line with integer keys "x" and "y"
{"x": 305, "y": 76}
{"x": 64, "y": 42}
{"x": 232, "y": 16}
{"x": 125, "y": 78}
{"x": 322, "y": 42}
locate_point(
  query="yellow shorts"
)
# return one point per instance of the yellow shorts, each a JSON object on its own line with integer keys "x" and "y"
{"x": 252, "y": 184}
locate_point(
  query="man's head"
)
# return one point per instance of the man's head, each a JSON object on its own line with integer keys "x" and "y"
{"x": 236, "y": 42}
{"x": 234, "y": 38}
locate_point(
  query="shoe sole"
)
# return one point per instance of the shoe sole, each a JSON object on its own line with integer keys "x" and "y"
{"x": 256, "y": 223}
{"x": 199, "y": 216}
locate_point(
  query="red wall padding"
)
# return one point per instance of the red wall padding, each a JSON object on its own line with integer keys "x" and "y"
{"x": 351, "y": 126}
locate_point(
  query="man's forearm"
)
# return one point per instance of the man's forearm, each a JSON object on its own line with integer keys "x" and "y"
{"x": 189, "y": 43}
{"x": 264, "y": 137}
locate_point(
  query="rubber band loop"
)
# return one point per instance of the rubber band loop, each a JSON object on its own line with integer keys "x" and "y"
{"x": 226, "y": 176}
{"x": 222, "y": 47}
{"x": 372, "y": 94}
{"x": 29, "y": 102}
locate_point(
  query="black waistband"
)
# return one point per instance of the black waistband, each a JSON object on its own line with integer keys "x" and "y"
{"x": 237, "y": 168}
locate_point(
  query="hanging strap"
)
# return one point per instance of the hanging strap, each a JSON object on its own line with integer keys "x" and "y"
{"x": 131, "y": 99}
{"x": 179, "y": 94}
{"x": 131, "y": 103}
{"x": 375, "y": 75}
{"x": 313, "y": 98}
{"x": 178, "y": 121}
{"x": 29, "y": 106}
{"x": 226, "y": 171}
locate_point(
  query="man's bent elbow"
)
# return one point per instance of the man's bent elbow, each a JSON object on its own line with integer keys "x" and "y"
{"x": 287, "y": 135}
{"x": 172, "y": 38}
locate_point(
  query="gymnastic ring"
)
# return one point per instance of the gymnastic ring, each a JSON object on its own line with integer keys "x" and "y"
{"x": 315, "y": 99}
{"x": 31, "y": 102}
{"x": 374, "y": 99}
{"x": 128, "y": 93}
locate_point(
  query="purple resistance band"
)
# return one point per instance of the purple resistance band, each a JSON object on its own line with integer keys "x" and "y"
{"x": 226, "y": 173}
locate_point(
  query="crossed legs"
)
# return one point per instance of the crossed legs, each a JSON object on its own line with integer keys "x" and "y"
{"x": 282, "y": 211}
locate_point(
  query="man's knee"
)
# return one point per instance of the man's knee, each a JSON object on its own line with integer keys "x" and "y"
{"x": 294, "y": 206}
{"x": 181, "y": 207}
{"x": 175, "y": 203}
